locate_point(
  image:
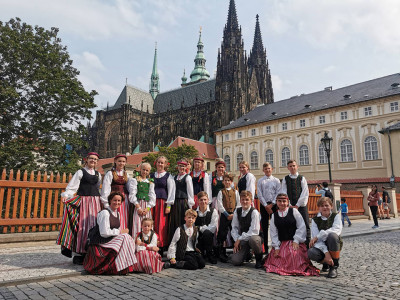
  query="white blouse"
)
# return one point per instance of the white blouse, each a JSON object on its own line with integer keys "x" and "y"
{"x": 299, "y": 235}
{"x": 303, "y": 199}
{"x": 323, "y": 234}
{"x": 177, "y": 235}
{"x": 103, "y": 219}
{"x": 189, "y": 188}
{"x": 220, "y": 203}
{"x": 106, "y": 188}
{"x": 267, "y": 189}
{"x": 152, "y": 194}
{"x": 254, "y": 226}
{"x": 153, "y": 242}
{"x": 75, "y": 181}
{"x": 214, "y": 220}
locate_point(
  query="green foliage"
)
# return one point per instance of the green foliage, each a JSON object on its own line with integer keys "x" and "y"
{"x": 42, "y": 102}
{"x": 173, "y": 155}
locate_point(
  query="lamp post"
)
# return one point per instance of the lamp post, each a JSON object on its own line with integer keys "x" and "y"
{"x": 327, "y": 142}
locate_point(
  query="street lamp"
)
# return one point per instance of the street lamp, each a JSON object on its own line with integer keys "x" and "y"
{"x": 327, "y": 142}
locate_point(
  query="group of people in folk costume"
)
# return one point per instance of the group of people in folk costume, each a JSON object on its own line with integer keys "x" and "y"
{"x": 195, "y": 216}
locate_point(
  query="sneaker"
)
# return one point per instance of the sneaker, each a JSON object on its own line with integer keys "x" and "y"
{"x": 375, "y": 227}
{"x": 349, "y": 225}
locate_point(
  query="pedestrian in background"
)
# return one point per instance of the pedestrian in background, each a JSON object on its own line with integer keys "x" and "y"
{"x": 373, "y": 199}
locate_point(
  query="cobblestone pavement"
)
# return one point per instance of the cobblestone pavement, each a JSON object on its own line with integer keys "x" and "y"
{"x": 369, "y": 269}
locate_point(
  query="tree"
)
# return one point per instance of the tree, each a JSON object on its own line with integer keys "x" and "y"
{"x": 173, "y": 155}
{"x": 42, "y": 102}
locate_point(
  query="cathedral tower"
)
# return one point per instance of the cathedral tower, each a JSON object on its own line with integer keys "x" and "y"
{"x": 258, "y": 67}
{"x": 232, "y": 77}
{"x": 154, "y": 79}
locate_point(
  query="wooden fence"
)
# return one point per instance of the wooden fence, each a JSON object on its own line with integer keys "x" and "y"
{"x": 398, "y": 202}
{"x": 31, "y": 205}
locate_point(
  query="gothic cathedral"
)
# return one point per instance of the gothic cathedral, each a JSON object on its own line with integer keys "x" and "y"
{"x": 140, "y": 120}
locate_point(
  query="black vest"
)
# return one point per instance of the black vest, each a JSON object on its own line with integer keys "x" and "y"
{"x": 88, "y": 184}
{"x": 198, "y": 185}
{"x": 219, "y": 184}
{"x": 182, "y": 242}
{"x": 293, "y": 188}
{"x": 242, "y": 184}
{"x": 286, "y": 226}
{"x": 244, "y": 222}
{"x": 181, "y": 188}
{"x": 205, "y": 220}
{"x": 324, "y": 224}
{"x": 150, "y": 237}
{"x": 94, "y": 237}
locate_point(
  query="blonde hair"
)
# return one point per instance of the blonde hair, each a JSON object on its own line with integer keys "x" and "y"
{"x": 202, "y": 194}
{"x": 191, "y": 212}
{"x": 322, "y": 200}
{"x": 266, "y": 164}
{"x": 246, "y": 194}
{"x": 243, "y": 162}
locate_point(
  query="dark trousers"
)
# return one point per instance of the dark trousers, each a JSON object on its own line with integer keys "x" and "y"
{"x": 374, "y": 211}
{"x": 265, "y": 224}
{"x": 205, "y": 241}
{"x": 224, "y": 226}
{"x": 303, "y": 210}
{"x": 193, "y": 261}
{"x": 333, "y": 242}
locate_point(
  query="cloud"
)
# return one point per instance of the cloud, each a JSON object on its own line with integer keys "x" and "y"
{"x": 277, "y": 83}
{"x": 329, "y": 69}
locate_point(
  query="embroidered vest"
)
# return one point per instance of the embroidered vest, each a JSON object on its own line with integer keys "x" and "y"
{"x": 219, "y": 184}
{"x": 88, "y": 184}
{"x": 150, "y": 237}
{"x": 325, "y": 224}
{"x": 160, "y": 186}
{"x": 204, "y": 220}
{"x": 244, "y": 222}
{"x": 181, "y": 188}
{"x": 293, "y": 188}
{"x": 229, "y": 200}
{"x": 286, "y": 226}
{"x": 198, "y": 184}
{"x": 143, "y": 191}
{"x": 119, "y": 185}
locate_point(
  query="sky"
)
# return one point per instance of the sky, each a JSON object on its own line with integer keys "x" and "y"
{"x": 310, "y": 44}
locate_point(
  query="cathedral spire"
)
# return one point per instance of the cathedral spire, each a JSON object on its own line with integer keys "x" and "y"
{"x": 199, "y": 72}
{"x": 257, "y": 43}
{"x": 154, "y": 79}
{"x": 232, "y": 22}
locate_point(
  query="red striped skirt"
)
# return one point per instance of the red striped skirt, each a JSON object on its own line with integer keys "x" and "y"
{"x": 113, "y": 258}
{"x": 89, "y": 208}
{"x": 161, "y": 222}
{"x": 290, "y": 262}
{"x": 137, "y": 220}
{"x": 123, "y": 213}
{"x": 148, "y": 262}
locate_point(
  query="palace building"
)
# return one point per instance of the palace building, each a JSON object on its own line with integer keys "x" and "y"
{"x": 140, "y": 120}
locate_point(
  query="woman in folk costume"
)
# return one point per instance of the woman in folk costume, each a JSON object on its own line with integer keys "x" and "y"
{"x": 145, "y": 198}
{"x": 201, "y": 180}
{"x": 148, "y": 259}
{"x": 247, "y": 181}
{"x": 117, "y": 179}
{"x": 217, "y": 181}
{"x": 80, "y": 211}
{"x": 184, "y": 198}
{"x": 164, "y": 186}
{"x": 288, "y": 234}
{"x": 111, "y": 250}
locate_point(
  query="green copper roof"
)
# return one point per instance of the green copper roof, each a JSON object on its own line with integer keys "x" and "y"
{"x": 184, "y": 78}
{"x": 137, "y": 150}
{"x": 154, "y": 79}
{"x": 201, "y": 139}
{"x": 156, "y": 149}
{"x": 199, "y": 72}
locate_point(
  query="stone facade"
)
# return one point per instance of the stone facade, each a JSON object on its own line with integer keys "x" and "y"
{"x": 140, "y": 120}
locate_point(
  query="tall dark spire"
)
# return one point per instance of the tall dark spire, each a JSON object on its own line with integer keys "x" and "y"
{"x": 232, "y": 22}
{"x": 257, "y": 43}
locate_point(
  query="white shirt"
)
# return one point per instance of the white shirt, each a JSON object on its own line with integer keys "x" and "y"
{"x": 214, "y": 220}
{"x": 106, "y": 188}
{"x": 177, "y": 235}
{"x": 220, "y": 203}
{"x": 206, "y": 183}
{"x": 219, "y": 178}
{"x": 303, "y": 199}
{"x": 75, "y": 181}
{"x": 170, "y": 186}
{"x": 152, "y": 194}
{"x": 189, "y": 188}
{"x": 153, "y": 242}
{"x": 323, "y": 234}
{"x": 250, "y": 184}
{"x": 300, "y": 234}
{"x": 103, "y": 219}
{"x": 267, "y": 189}
{"x": 254, "y": 227}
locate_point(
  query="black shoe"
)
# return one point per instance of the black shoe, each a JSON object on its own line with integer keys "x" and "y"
{"x": 332, "y": 272}
{"x": 249, "y": 257}
{"x": 167, "y": 265}
{"x": 325, "y": 268}
{"x": 349, "y": 225}
{"x": 78, "y": 260}
{"x": 180, "y": 264}
{"x": 223, "y": 258}
{"x": 212, "y": 259}
{"x": 259, "y": 261}
{"x": 66, "y": 252}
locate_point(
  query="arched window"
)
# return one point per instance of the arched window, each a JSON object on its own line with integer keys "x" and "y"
{"x": 253, "y": 160}
{"x": 371, "y": 148}
{"x": 285, "y": 156}
{"x": 269, "y": 157}
{"x": 227, "y": 160}
{"x": 239, "y": 158}
{"x": 303, "y": 155}
{"x": 346, "y": 150}
{"x": 323, "y": 159}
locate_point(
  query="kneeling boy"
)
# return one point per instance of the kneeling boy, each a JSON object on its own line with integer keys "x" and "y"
{"x": 182, "y": 251}
{"x": 245, "y": 231}
{"x": 326, "y": 243}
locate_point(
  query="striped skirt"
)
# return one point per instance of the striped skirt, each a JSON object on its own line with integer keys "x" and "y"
{"x": 161, "y": 222}
{"x": 79, "y": 217}
{"x": 137, "y": 220}
{"x": 115, "y": 257}
{"x": 123, "y": 213}
{"x": 148, "y": 262}
{"x": 290, "y": 262}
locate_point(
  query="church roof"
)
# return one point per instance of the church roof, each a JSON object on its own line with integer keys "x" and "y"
{"x": 325, "y": 99}
{"x": 186, "y": 96}
{"x": 205, "y": 150}
{"x": 136, "y": 96}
